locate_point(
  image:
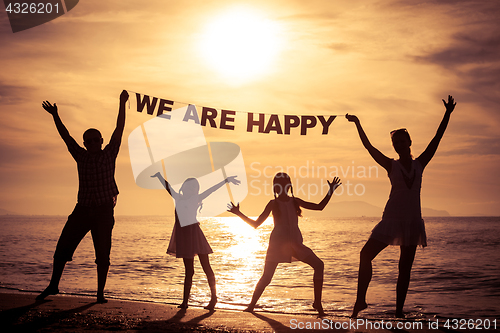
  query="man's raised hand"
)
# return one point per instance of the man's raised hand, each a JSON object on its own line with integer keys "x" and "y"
{"x": 124, "y": 96}
{"x": 52, "y": 109}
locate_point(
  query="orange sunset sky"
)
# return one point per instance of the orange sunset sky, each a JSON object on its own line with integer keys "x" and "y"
{"x": 388, "y": 62}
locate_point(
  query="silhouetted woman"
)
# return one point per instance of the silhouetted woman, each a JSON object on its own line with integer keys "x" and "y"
{"x": 402, "y": 222}
{"x": 285, "y": 242}
{"x": 187, "y": 238}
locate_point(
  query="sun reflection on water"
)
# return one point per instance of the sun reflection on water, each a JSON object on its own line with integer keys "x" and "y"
{"x": 243, "y": 251}
{"x": 247, "y": 239}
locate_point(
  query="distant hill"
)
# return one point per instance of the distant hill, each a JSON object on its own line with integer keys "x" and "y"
{"x": 434, "y": 212}
{"x": 361, "y": 208}
{"x": 336, "y": 209}
{"x": 7, "y": 212}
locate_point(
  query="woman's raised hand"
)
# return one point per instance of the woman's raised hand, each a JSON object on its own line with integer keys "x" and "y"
{"x": 450, "y": 106}
{"x": 233, "y": 180}
{"x": 352, "y": 118}
{"x": 334, "y": 184}
{"x": 233, "y": 209}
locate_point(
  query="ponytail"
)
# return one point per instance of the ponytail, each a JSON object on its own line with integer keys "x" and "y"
{"x": 295, "y": 203}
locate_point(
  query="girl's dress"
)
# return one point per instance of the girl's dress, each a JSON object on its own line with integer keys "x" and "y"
{"x": 402, "y": 222}
{"x": 187, "y": 241}
{"x": 285, "y": 242}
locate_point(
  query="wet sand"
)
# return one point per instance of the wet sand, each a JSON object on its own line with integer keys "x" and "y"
{"x": 20, "y": 312}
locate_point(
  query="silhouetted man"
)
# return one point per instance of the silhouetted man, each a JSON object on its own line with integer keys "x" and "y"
{"x": 97, "y": 194}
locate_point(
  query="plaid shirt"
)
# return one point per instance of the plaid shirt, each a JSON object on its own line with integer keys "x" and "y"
{"x": 96, "y": 173}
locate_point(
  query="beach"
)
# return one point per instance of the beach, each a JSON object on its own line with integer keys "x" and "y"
{"x": 62, "y": 313}
{"x": 20, "y": 312}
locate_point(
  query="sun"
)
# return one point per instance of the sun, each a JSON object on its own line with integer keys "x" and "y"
{"x": 241, "y": 44}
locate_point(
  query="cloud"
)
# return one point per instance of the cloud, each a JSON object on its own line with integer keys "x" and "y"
{"x": 477, "y": 145}
{"x": 13, "y": 94}
{"x": 471, "y": 60}
{"x": 468, "y": 48}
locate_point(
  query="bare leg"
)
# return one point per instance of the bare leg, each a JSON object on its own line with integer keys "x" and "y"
{"x": 264, "y": 281}
{"x": 319, "y": 267}
{"x": 101, "y": 230}
{"x": 405, "y": 263}
{"x": 188, "y": 281}
{"x": 102, "y": 275}
{"x": 205, "y": 264}
{"x": 53, "y": 288}
{"x": 371, "y": 249}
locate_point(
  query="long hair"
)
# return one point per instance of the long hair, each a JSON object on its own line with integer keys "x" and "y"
{"x": 282, "y": 182}
{"x": 191, "y": 186}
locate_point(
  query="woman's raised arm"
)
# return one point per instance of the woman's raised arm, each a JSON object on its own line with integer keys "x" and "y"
{"x": 429, "y": 152}
{"x": 384, "y": 161}
{"x": 235, "y": 209}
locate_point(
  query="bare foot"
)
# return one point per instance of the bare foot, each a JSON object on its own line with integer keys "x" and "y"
{"x": 101, "y": 300}
{"x": 48, "y": 291}
{"x": 211, "y": 305}
{"x": 249, "y": 308}
{"x": 183, "y": 306}
{"x": 318, "y": 307}
{"x": 357, "y": 308}
{"x": 400, "y": 314}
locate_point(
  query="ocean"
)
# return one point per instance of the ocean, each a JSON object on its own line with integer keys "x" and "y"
{"x": 456, "y": 276}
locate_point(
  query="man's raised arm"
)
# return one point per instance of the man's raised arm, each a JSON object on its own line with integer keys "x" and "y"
{"x": 120, "y": 121}
{"x": 63, "y": 131}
